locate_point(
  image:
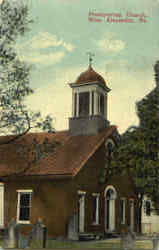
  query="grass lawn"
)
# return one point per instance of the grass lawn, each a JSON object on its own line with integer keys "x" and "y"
{"x": 111, "y": 244}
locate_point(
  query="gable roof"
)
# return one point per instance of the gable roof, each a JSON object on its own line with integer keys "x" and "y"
{"x": 71, "y": 153}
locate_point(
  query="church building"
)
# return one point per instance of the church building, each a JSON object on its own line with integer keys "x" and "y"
{"x": 64, "y": 188}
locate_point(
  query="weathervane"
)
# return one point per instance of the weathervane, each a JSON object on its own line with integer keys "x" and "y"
{"x": 90, "y": 58}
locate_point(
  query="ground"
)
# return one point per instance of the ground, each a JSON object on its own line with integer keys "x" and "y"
{"x": 142, "y": 243}
{"x": 111, "y": 244}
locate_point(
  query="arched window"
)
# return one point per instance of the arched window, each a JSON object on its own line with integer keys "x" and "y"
{"x": 110, "y": 192}
{"x": 109, "y": 146}
{"x": 110, "y": 197}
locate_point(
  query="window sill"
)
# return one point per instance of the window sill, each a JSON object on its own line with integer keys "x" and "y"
{"x": 23, "y": 222}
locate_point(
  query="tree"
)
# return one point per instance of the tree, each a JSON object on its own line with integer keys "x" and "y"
{"x": 15, "y": 117}
{"x": 138, "y": 151}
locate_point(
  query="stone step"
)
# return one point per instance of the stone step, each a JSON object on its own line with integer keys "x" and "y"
{"x": 89, "y": 236}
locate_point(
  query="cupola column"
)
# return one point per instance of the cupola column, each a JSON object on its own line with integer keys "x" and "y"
{"x": 90, "y": 103}
{"x": 99, "y": 111}
{"x": 95, "y": 103}
{"x": 73, "y": 105}
{"x": 105, "y": 106}
{"x": 77, "y": 105}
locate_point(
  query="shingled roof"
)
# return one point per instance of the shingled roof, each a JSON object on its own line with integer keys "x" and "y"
{"x": 71, "y": 153}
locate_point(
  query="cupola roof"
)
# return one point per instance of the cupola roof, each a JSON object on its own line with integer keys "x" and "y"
{"x": 90, "y": 75}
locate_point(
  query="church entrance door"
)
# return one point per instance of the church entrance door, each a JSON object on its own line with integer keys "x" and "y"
{"x": 110, "y": 196}
{"x": 81, "y": 212}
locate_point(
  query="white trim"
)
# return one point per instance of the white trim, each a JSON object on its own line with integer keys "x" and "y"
{"x": 81, "y": 192}
{"x": 96, "y": 222}
{"x": 2, "y": 205}
{"x": 105, "y": 106}
{"x": 23, "y": 221}
{"x": 123, "y": 216}
{"x": 90, "y": 103}
{"x": 112, "y": 215}
{"x": 77, "y": 107}
{"x": 25, "y": 191}
{"x": 95, "y": 194}
{"x": 95, "y": 103}
{"x": 90, "y": 84}
{"x": 87, "y": 88}
{"x": 73, "y": 105}
{"x": 97, "y": 210}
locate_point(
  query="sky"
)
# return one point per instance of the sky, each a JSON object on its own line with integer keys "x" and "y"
{"x": 122, "y": 34}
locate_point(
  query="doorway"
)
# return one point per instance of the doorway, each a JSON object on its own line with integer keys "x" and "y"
{"x": 110, "y": 197}
{"x": 81, "y": 202}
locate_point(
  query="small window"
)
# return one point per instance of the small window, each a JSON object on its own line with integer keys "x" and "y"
{"x": 95, "y": 205}
{"x": 148, "y": 208}
{"x": 110, "y": 146}
{"x": 123, "y": 206}
{"x": 24, "y": 207}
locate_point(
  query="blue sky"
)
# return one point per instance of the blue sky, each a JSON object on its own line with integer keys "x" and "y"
{"x": 125, "y": 53}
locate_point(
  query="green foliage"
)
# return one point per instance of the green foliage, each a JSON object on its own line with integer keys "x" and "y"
{"x": 138, "y": 151}
{"x": 15, "y": 116}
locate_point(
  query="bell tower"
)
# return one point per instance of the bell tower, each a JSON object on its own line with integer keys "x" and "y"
{"x": 89, "y": 103}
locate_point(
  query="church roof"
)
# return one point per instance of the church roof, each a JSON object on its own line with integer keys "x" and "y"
{"x": 90, "y": 75}
{"x": 71, "y": 154}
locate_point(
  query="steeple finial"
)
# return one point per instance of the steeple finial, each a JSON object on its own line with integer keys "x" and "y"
{"x": 90, "y": 55}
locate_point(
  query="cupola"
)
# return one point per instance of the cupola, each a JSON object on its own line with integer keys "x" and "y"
{"x": 89, "y": 103}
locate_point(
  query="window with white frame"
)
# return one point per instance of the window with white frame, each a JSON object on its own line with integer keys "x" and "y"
{"x": 123, "y": 210}
{"x": 24, "y": 206}
{"x": 95, "y": 214}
